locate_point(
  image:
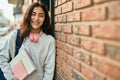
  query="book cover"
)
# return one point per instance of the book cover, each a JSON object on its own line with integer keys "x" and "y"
{"x": 19, "y": 70}
{"x": 22, "y": 62}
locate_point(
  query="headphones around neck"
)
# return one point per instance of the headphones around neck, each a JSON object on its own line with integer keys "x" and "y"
{"x": 35, "y": 37}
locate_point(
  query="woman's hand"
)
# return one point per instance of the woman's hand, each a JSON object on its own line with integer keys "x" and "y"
{"x": 15, "y": 78}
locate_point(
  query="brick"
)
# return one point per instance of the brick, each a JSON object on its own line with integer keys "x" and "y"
{"x": 63, "y": 75}
{"x": 59, "y": 2}
{"x": 82, "y": 56}
{"x": 99, "y": 1}
{"x": 114, "y": 10}
{"x": 58, "y": 36}
{"x": 98, "y": 76}
{"x": 67, "y": 28}
{"x": 102, "y": 30}
{"x": 97, "y": 47}
{"x": 82, "y": 3}
{"x": 77, "y": 65}
{"x": 68, "y": 49}
{"x": 85, "y": 57}
{"x": 73, "y": 39}
{"x": 106, "y": 67}
{"x": 77, "y": 76}
{"x": 58, "y": 69}
{"x": 59, "y": 18}
{"x": 94, "y": 14}
{"x": 82, "y": 29}
{"x": 86, "y": 44}
{"x": 70, "y": 17}
{"x": 62, "y": 55}
{"x": 96, "y": 61}
{"x": 117, "y": 31}
{"x": 59, "y": 44}
{"x": 69, "y": 6}
{"x": 67, "y": 77}
{"x": 69, "y": 60}
{"x": 73, "y": 16}
{"x": 58, "y": 28}
{"x": 62, "y": 18}
{"x": 76, "y": 53}
{"x": 108, "y": 78}
{"x": 58, "y": 10}
{"x": 67, "y": 69}
{"x": 87, "y": 72}
{"x": 113, "y": 52}
{"x": 118, "y": 55}
{"x": 58, "y": 61}
{"x": 77, "y": 16}
{"x": 63, "y": 1}
{"x": 63, "y": 37}
{"x": 115, "y": 70}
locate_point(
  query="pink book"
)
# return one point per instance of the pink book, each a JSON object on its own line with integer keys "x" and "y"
{"x": 19, "y": 70}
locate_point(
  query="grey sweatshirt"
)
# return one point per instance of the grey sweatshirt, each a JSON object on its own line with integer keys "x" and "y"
{"x": 41, "y": 53}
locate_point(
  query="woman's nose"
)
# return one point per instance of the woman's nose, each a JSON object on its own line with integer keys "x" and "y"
{"x": 36, "y": 17}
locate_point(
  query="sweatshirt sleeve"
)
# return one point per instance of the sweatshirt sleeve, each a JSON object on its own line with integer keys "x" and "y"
{"x": 5, "y": 55}
{"x": 50, "y": 62}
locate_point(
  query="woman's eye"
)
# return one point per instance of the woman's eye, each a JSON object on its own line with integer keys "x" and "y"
{"x": 33, "y": 14}
{"x": 41, "y": 16}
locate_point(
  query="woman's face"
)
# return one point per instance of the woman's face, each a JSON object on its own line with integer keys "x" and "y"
{"x": 37, "y": 18}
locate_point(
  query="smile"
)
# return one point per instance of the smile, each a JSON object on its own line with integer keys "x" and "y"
{"x": 35, "y": 22}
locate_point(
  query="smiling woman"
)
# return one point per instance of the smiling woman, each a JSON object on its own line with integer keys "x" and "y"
{"x": 38, "y": 42}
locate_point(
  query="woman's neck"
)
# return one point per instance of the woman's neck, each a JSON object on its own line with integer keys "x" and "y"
{"x": 35, "y": 31}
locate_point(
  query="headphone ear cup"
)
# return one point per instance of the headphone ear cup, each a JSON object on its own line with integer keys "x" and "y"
{"x": 31, "y": 37}
{"x": 35, "y": 38}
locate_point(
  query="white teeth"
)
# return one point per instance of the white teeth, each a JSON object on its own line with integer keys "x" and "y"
{"x": 35, "y": 22}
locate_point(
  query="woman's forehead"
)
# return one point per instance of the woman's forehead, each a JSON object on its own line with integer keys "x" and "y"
{"x": 38, "y": 9}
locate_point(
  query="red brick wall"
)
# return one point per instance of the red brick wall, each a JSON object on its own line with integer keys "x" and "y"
{"x": 87, "y": 39}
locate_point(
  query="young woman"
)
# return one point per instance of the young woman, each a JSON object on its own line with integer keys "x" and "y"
{"x": 38, "y": 40}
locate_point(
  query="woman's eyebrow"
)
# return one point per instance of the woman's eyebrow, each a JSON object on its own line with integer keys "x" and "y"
{"x": 39, "y": 13}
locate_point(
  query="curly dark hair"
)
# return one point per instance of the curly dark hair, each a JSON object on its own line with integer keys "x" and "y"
{"x": 25, "y": 26}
